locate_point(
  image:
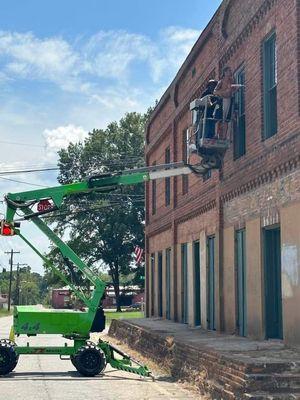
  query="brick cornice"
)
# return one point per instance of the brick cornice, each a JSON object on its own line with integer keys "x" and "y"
{"x": 159, "y": 226}
{"x": 269, "y": 176}
{"x": 158, "y": 230}
{"x": 247, "y": 31}
{"x": 268, "y": 152}
{"x": 196, "y": 212}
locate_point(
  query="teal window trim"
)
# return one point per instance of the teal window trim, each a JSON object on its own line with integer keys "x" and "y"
{"x": 167, "y": 180}
{"x": 152, "y": 266}
{"x": 241, "y": 281}
{"x": 239, "y": 136}
{"x": 269, "y": 50}
{"x": 153, "y": 205}
{"x": 184, "y": 283}
{"x": 185, "y": 178}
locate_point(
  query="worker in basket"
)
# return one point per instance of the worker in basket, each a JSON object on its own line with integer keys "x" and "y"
{"x": 211, "y": 106}
{"x": 225, "y": 89}
{"x": 203, "y": 116}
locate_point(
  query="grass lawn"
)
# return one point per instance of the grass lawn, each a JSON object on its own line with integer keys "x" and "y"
{"x": 4, "y": 313}
{"x": 122, "y": 315}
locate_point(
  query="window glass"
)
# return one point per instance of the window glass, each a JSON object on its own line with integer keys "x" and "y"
{"x": 167, "y": 180}
{"x": 154, "y": 194}
{"x": 239, "y": 133}
{"x": 270, "y": 86}
{"x": 185, "y": 178}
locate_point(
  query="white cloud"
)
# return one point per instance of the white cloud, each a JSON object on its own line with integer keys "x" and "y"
{"x": 107, "y": 54}
{"x": 177, "y": 34}
{"x": 61, "y": 137}
{"x": 175, "y": 45}
{"x": 32, "y": 57}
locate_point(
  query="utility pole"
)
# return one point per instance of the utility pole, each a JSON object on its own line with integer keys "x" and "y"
{"x": 18, "y": 282}
{"x": 10, "y": 274}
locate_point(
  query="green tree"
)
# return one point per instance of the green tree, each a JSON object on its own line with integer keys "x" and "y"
{"x": 27, "y": 286}
{"x": 103, "y": 228}
{"x": 29, "y": 292}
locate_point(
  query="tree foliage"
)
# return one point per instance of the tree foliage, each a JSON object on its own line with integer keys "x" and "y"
{"x": 103, "y": 228}
{"x": 27, "y": 287}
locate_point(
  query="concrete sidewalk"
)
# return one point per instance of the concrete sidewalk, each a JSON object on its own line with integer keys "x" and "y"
{"x": 224, "y": 366}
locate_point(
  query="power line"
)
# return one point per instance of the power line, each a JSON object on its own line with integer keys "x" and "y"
{"x": 28, "y": 171}
{"x": 28, "y": 165}
{"x": 23, "y": 182}
{"x": 41, "y": 146}
{"x": 84, "y": 210}
{"x": 108, "y": 163}
{"x": 22, "y": 144}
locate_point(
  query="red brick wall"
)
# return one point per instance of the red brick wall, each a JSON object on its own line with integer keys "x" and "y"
{"x": 265, "y": 160}
{"x": 267, "y": 177}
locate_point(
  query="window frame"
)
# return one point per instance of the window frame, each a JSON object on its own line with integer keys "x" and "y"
{"x": 185, "y": 178}
{"x": 239, "y": 146}
{"x": 153, "y": 194}
{"x": 168, "y": 179}
{"x": 269, "y": 76}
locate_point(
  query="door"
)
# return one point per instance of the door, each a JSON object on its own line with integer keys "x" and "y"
{"x": 197, "y": 287}
{"x": 211, "y": 283}
{"x": 159, "y": 289}
{"x": 272, "y": 270}
{"x": 184, "y": 281}
{"x": 240, "y": 259}
{"x": 168, "y": 283}
{"x": 152, "y": 283}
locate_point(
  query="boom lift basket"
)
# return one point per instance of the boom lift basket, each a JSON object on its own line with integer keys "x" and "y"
{"x": 201, "y": 134}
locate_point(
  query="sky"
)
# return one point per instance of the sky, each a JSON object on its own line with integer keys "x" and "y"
{"x": 69, "y": 66}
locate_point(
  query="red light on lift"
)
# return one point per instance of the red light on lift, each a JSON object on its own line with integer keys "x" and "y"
{"x": 6, "y": 229}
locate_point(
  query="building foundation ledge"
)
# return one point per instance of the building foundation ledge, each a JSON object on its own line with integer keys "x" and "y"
{"x": 222, "y": 366}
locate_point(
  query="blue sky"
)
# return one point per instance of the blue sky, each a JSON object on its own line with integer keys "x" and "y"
{"x": 68, "y": 66}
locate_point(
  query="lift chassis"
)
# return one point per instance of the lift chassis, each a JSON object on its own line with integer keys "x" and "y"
{"x": 88, "y": 358}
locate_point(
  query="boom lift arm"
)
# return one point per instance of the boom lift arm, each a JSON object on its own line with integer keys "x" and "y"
{"x": 75, "y": 325}
{"x": 97, "y": 183}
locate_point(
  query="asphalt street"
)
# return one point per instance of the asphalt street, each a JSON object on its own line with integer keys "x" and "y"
{"x": 39, "y": 377}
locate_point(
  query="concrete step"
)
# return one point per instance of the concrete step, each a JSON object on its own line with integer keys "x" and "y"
{"x": 284, "y": 382}
{"x": 270, "y": 396}
{"x": 278, "y": 382}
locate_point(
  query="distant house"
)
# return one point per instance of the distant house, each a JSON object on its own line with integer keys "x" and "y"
{"x": 3, "y": 302}
{"x": 60, "y": 298}
{"x": 128, "y": 296}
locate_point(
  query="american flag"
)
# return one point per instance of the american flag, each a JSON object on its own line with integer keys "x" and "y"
{"x": 138, "y": 251}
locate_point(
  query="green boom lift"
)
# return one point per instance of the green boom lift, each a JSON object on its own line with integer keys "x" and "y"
{"x": 88, "y": 358}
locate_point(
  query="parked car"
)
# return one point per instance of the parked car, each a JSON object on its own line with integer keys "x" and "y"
{"x": 136, "y": 306}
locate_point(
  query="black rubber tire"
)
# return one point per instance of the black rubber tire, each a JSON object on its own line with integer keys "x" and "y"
{"x": 72, "y": 359}
{"x": 7, "y": 341}
{"x": 8, "y": 358}
{"x": 89, "y": 360}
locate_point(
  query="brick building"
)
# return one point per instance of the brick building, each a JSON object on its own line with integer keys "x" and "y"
{"x": 223, "y": 250}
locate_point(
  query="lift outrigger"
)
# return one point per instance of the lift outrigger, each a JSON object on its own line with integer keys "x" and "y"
{"x": 89, "y": 358}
